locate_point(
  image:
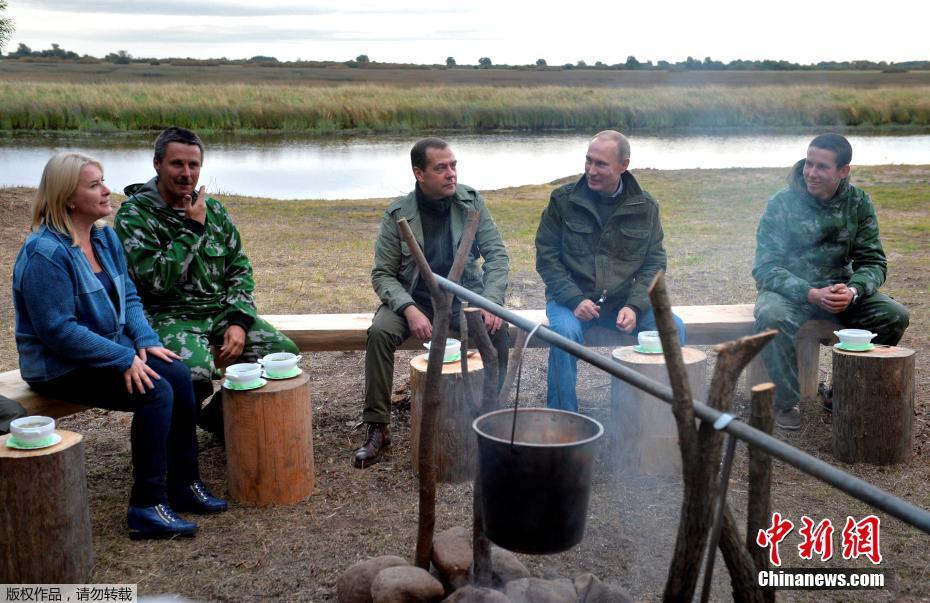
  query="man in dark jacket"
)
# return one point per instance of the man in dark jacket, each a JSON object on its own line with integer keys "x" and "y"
{"x": 819, "y": 256}
{"x": 598, "y": 246}
{"x": 436, "y": 210}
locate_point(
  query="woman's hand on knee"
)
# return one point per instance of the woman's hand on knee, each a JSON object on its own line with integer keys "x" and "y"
{"x": 159, "y": 352}
{"x": 138, "y": 376}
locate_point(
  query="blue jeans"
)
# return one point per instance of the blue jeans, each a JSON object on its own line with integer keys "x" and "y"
{"x": 563, "y": 367}
{"x": 163, "y": 432}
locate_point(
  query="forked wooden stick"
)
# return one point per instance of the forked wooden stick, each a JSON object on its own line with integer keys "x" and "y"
{"x": 700, "y": 449}
{"x": 481, "y": 546}
{"x": 442, "y": 304}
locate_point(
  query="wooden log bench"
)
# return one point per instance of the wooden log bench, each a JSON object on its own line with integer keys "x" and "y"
{"x": 706, "y": 325}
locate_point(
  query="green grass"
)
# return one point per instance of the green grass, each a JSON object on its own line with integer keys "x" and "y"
{"x": 381, "y": 108}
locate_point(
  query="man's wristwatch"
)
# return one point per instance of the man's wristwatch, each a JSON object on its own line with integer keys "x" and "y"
{"x": 855, "y": 298}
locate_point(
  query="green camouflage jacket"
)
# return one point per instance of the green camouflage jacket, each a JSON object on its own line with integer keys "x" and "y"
{"x": 395, "y": 273}
{"x": 179, "y": 266}
{"x": 803, "y": 243}
{"x": 578, "y": 259}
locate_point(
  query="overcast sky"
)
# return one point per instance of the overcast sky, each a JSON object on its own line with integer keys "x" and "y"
{"x": 508, "y": 32}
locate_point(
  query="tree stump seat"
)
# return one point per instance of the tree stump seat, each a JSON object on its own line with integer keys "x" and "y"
{"x": 644, "y": 435}
{"x": 456, "y": 444}
{"x": 873, "y": 405}
{"x": 269, "y": 442}
{"x": 45, "y": 519}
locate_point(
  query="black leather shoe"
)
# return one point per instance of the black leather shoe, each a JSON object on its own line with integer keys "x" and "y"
{"x": 159, "y": 521}
{"x": 379, "y": 438}
{"x": 195, "y": 497}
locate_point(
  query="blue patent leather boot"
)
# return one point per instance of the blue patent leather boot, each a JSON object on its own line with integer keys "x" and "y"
{"x": 159, "y": 521}
{"x": 195, "y": 498}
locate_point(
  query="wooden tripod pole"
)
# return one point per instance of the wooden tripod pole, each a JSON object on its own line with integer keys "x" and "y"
{"x": 700, "y": 449}
{"x": 481, "y": 546}
{"x": 442, "y": 304}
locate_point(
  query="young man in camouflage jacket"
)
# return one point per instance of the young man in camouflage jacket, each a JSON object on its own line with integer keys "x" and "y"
{"x": 186, "y": 259}
{"x": 819, "y": 256}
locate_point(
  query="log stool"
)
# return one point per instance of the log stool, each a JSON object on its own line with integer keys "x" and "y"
{"x": 269, "y": 442}
{"x": 873, "y": 405}
{"x": 645, "y": 437}
{"x": 45, "y": 522}
{"x": 456, "y": 444}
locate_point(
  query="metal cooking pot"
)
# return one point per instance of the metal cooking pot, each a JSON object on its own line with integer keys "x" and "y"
{"x": 534, "y": 492}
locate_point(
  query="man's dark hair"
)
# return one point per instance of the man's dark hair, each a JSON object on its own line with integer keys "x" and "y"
{"x": 836, "y": 143}
{"x": 176, "y": 134}
{"x": 418, "y": 152}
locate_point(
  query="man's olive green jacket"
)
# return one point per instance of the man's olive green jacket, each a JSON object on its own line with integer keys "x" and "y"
{"x": 395, "y": 273}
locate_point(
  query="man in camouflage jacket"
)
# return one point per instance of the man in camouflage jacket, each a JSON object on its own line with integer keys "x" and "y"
{"x": 186, "y": 258}
{"x": 598, "y": 246}
{"x": 437, "y": 210}
{"x": 819, "y": 256}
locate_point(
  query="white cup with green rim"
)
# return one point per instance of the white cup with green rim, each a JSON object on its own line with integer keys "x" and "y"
{"x": 452, "y": 352}
{"x": 649, "y": 341}
{"x": 855, "y": 339}
{"x": 32, "y": 432}
{"x": 244, "y": 374}
{"x": 280, "y": 364}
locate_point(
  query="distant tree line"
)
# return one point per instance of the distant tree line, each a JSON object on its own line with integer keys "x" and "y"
{"x": 364, "y": 61}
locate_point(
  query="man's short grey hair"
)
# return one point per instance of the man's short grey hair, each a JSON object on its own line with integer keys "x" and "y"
{"x": 623, "y": 143}
{"x": 176, "y": 134}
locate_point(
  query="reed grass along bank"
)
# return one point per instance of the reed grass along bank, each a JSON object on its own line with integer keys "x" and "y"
{"x": 235, "y": 106}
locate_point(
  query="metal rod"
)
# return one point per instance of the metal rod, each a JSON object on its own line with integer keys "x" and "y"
{"x": 850, "y": 484}
{"x": 718, "y": 517}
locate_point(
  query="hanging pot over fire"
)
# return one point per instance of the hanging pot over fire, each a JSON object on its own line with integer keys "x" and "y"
{"x": 535, "y": 468}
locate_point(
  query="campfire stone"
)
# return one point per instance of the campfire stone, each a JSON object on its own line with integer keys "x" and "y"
{"x": 471, "y": 594}
{"x": 506, "y": 567}
{"x": 591, "y": 590}
{"x": 354, "y": 585}
{"x": 405, "y": 583}
{"x": 537, "y": 590}
{"x": 452, "y": 555}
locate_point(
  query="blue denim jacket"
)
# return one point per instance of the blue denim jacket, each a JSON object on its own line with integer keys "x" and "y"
{"x": 64, "y": 317}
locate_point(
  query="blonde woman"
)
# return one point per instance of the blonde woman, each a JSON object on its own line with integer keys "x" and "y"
{"x": 82, "y": 336}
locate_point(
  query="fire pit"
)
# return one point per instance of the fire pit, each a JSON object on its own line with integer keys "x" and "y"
{"x": 536, "y": 480}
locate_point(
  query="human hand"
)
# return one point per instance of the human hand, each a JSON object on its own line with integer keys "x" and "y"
{"x": 587, "y": 310}
{"x": 626, "y": 319}
{"x": 418, "y": 323}
{"x": 159, "y": 352}
{"x": 233, "y": 343}
{"x": 491, "y": 321}
{"x": 834, "y": 298}
{"x": 196, "y": 210}
{"x": 138, "y": 376}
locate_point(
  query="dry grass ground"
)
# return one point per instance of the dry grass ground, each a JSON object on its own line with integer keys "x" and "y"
{"x": 313, "y": 256}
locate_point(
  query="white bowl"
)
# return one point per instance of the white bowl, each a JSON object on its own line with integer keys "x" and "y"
{"x": 280, "y": 363}
{"x": 243, "y": 373}
{"x": 32, "y": 430}
{"x": 649, "y": 341}
{"x": 855, "y": 337}
{"x": 453, "y": 348}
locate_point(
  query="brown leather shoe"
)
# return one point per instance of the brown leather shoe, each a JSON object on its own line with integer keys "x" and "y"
{"x": 379, "y": 438}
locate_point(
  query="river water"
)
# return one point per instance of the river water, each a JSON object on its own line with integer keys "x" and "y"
{"x": 359, "y": 167}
